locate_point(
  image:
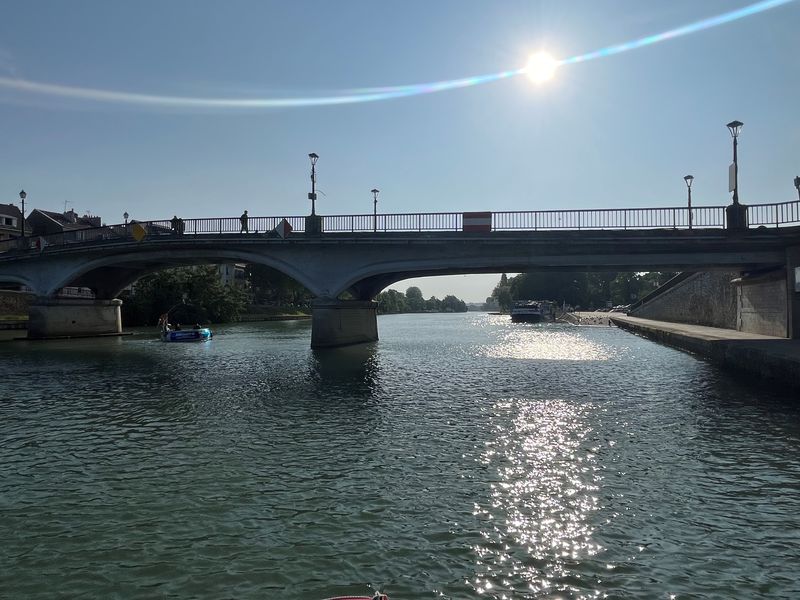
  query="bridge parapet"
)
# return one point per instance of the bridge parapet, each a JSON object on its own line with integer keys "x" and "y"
{"x": 704, "y": 217}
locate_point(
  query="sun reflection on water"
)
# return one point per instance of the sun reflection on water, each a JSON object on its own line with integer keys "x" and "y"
{"x": 537, "y": 526}
{"x": 546, "y": 343}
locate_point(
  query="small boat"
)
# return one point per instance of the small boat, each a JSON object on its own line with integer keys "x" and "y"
{"x": 171, "y": 333}
{"x": 530, "y": 311}
{"x": 186, "y": 335}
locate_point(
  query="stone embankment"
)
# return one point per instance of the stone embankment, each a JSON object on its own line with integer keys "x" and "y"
{"x": 587, "y": 318}
{"x": 774, "y": 359}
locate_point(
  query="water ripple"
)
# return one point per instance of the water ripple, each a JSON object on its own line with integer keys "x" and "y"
{"x": 460, "y": 457}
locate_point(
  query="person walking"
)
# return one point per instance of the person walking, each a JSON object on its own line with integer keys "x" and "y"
{"x": 243, "y": 221}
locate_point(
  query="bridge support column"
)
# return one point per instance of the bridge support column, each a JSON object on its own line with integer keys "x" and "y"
{"x": 793, "y": 292}
{"x": 74, "y": 317}
{"x": 343, "y": 322}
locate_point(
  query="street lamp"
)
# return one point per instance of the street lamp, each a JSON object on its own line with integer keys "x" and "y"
{"x": 22, "y": 196}
{"x": 313, "y": 194}
{"x": 735, "y": 127}
{"x": 689, "y": 179}
{"x": 797, "y": 186}
{"x": 375, "y": 193}
{"x": 125, "y": 216}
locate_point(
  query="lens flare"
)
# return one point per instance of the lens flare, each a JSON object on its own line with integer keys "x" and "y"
{"x": 540, "y": 71}
{"x": 541, "y": 67}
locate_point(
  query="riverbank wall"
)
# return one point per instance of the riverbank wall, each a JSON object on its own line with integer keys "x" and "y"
{"x": 758, "y": 357}
{"x": 752, "y": 302}
{"x": 15, "y": 303}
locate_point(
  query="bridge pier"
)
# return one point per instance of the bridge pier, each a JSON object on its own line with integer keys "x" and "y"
{"x": 343, "y": 322}
{"x": 73, "y": 317}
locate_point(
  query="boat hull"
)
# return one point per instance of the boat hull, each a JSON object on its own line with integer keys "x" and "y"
{"x": 526, "y": 318}
{"x": 188, "y": 335}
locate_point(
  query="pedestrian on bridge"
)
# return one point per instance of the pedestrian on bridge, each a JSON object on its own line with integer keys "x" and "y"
{"x": 174, "y": 223}
{"x": 243, "y": 221}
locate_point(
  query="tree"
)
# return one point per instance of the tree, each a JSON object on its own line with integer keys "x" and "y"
{"x": 414, "y": 300}
{"x": 433, "y": 304}
{"x": 453, "y": 304}
{"x": 191, "y": 294}
{"x": 271, "y": 286}
{"x": 391, "y": 302}
{"x": 502, "y": 293}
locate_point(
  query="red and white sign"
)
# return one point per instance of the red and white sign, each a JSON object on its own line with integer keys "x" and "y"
{"x": 283, "y": 229}
{"x": 477, "y": 221}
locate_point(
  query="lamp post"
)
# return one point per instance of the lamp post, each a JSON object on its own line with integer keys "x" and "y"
{"x": 689, "y": 179}
{"x": 125, "y": 216}
{"x": 797, "y": 186}
{"x": 735, "y": 127}
{"x": 375, "y": 192}
{"x": 736, "y": 213}
{"x": 22, "y": 196}
{"x": 313, "y": 195}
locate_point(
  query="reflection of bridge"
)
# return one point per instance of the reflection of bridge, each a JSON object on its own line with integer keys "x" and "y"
{"x": 362, "y": 254}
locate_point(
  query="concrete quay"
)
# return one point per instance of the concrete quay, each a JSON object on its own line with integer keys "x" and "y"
{"x": 771, "y": 358}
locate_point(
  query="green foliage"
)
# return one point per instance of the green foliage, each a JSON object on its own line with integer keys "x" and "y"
{"x": 270, "y": 286}
{"x": 503, "y": 294}
{"x": 393, "y": 302}
{"x": 453, "y": 304}
{"x": 207, "y": 299}
{"x": 578, "y": 289}
{"x": 414, "y": 300}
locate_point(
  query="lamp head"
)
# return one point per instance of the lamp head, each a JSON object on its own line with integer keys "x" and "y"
{"x": 797, "y": 182}
{"x": 22, "y": 195}
{"x": 735, "y": 127}
{"x": 125, "y": 215}
{"x": 375, "y": 190}
{"x": 688, "y": 179}
{"x": 313, "y": 156}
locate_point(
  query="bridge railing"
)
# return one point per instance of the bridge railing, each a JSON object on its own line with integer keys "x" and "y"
{"x": 392, "y": 222}
{"x": 775, "y": 215}
{"x": 770, "y": 215}
{"x": 76, "y": 236}
{"x": 612, "y": 218}
{"x": 221, "y": 225}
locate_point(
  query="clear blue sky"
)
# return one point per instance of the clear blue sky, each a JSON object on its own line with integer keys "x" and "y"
{"x": 613, "y": 132}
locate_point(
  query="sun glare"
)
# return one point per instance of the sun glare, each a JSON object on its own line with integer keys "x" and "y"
{"x": 541, "y": 67}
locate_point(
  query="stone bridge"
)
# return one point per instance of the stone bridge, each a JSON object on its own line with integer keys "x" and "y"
{"x": 331, "y": 260}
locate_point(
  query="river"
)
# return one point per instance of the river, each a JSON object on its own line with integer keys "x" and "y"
{"x": 462, "y": 456}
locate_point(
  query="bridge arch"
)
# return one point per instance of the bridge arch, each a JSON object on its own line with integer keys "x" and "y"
{"x": 12, "y": 279}
{"x": 109, "y": 275}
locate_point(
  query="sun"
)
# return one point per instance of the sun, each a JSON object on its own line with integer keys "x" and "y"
{"x": 541, "y": 67}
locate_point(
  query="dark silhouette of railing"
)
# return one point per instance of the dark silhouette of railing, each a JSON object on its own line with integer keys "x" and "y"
{"x": 703, "y": 217}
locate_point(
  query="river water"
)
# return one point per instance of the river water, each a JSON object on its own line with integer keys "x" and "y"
{"x": 461, "y": 456}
